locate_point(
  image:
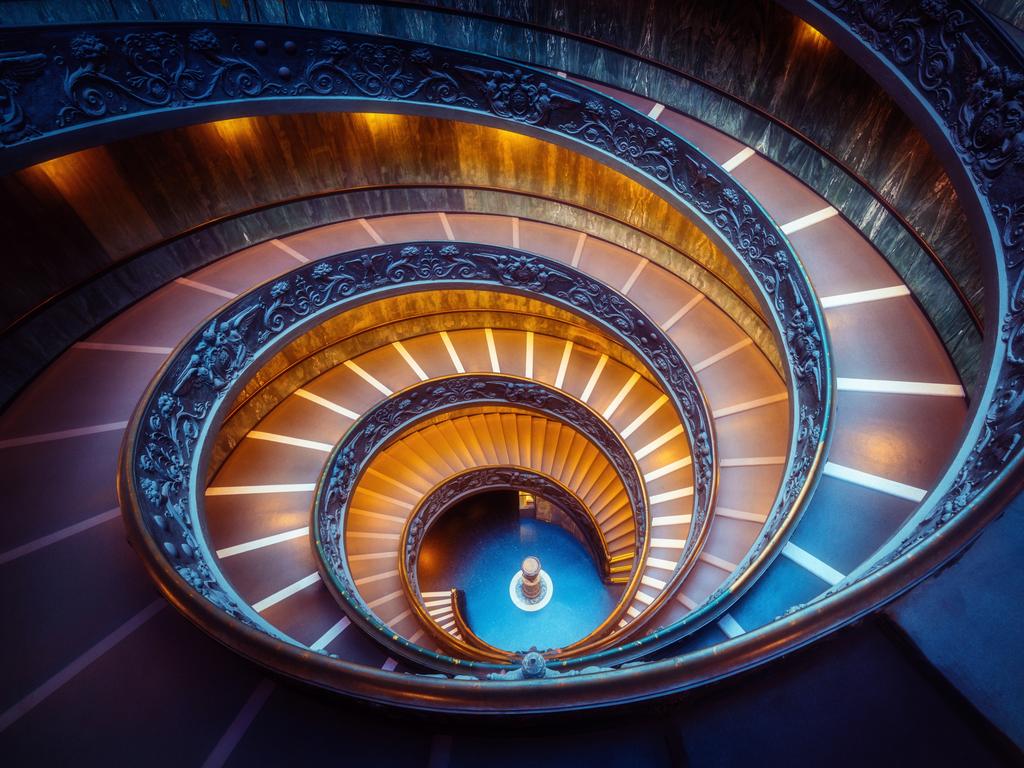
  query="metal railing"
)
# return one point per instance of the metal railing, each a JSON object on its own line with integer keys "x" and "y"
{"x": 164, "y": 75}
{"x": 397, "y": 415}
{"x": 470, "y": 482}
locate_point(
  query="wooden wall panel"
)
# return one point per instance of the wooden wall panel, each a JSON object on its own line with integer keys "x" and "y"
{"x": 102, "y": 205}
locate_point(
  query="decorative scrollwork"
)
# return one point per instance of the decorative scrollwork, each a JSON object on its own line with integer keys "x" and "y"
{"x": 17, "y": 67}
{"x": 164, "y": 465}
{"x": 623, "y": 134}
{"x": 948, "y": 55}
{"x": 127, "y": 70}
{"x": 519, "y": 95}
{"x": 742, "y": 223}
{"x": 397, "y": 414}
{"x": 974, "y": 82}
{"x": 157, "y": 69}
{"x": 139, "y": 70}
{"x": 121, "y": 71}
{"x": 377, "y": 71}
{"x": 221, "y": 353}
{"x": 946, "y": 52}
{"x": 201, "y": 375}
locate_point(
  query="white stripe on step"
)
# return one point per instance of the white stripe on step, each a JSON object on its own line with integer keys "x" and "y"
{"x": 738, "y": 159}
{"x": 266, "y": 541}
{"x": 368, "y": 378}
{"x": 860, "y": 297}
{"x": 867, "y": 480}
{"x": 242, "y": 490}
{"x": 270, "y": 437}
{"x": 328, "y": 637}
{"x": 325, "y": 403}
{"x": 884, "y": 386}
{"x": 284, "y": 594}
{"x": 809, "y": 220}
{"x": 809, "y": 562}
{"x": 206, "y": 288}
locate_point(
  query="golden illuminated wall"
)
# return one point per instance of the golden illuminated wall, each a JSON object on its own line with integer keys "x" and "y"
{"x": 82, "y": 212}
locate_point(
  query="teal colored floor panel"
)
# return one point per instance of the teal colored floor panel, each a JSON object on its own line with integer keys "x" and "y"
{"x": 478, "y": 547}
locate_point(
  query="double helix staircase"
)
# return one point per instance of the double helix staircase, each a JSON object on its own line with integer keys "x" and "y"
{"x": 686, "y": 590}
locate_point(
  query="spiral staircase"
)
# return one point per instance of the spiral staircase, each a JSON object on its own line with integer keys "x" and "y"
{"x": 353, "y": 272}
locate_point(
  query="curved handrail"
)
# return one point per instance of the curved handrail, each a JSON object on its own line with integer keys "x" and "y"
{"x": 458, "y": 487}
{"x": 170, "y": 428}
{"x": 180, "y": 409}
{"x": 986, "y": 474}
{"x": 395, "y": 416}
{"x": 469, "y": 482}
{"x": 176, "y": 73}
{"x": 468, "y": 635}
{"x": 960, "y": 76}
{"x": 344, "y": 70}
{"x": 761, "y": 112}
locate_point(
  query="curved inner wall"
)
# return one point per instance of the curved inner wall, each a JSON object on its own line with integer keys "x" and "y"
{"x": 131, "y": 246}
{"x": 238, "y": 165}
{"x": 895, "y": 191}
{"x": 119, "y": 208}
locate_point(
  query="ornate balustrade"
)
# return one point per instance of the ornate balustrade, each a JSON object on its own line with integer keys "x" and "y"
{"x": 401, "y": 413}
{"x": 170, "y": 432}
{"x": 80, "y": 85}
{"x": 139, "y": 78}
{"x": 469, "y": 483}
{"x": 962, "y": 80}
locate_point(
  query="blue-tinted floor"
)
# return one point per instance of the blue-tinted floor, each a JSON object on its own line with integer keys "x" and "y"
{"x": 480, "y": 545}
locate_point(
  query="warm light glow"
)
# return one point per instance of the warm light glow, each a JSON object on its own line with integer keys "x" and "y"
{"x": 882, "y": 446}
{"x": 235, "y": 130}
{"x": 378, "y": 120}
{"x": 72, "y": 174}
{"x": 516, "y": 139}
{"x": 426, "y": 559}
{"x": 59, "y": 167}
{"x": 810, "y": 34}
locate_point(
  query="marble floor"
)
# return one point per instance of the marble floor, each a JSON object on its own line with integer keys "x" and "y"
{"x": 479, "y": 545}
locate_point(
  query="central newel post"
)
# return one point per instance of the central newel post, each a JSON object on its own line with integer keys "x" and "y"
{"x": 531, "y": 588}
{"x": 531, "y": 577}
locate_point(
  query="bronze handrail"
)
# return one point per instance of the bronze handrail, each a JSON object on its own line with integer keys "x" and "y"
{"x": 187, "y": 399}
{"x": 393, "y": 418}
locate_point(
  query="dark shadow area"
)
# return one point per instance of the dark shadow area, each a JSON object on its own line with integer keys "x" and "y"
{"x": 862, "y": 698}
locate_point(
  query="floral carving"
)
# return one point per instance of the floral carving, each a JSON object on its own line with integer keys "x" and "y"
{"x": 119, "y": 71}
{"x": 393, "y": 416}
{"x": 220, "y": 354}
{"x": 16, "y": 68}
{"x": 990, "y": 120}
{"x": 940, "y": 45}
{"x": 627, "y": 136}
{"x": 196, "y": 384}
{"x": 155, "y": 69}
{"x": 975, "y": 85}
{"x": 137, "y": 69}
{"x": 526, "y": 97}
{"x": 378, "y": 71}
{"x": 165, "y": 456}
